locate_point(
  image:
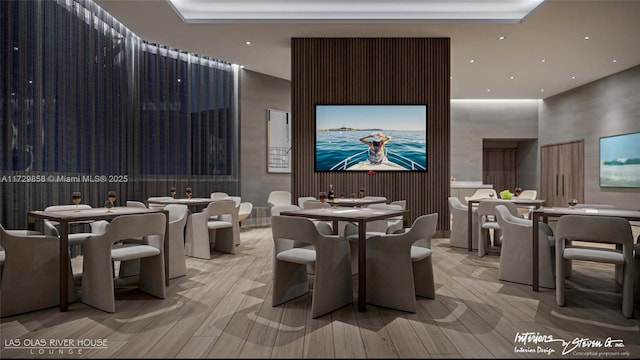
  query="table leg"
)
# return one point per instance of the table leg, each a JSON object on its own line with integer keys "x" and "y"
{"x": 166, "y": 249}
{"x": 469, "y": 225}
{"x": 536, "y": 232}
{"x": 64, "y": 266}
{"x": 362, "y": 265}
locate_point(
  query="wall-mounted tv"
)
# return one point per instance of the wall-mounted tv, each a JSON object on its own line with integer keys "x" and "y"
{"x": 371, "y": 138}
{"x": 620, "y": 160}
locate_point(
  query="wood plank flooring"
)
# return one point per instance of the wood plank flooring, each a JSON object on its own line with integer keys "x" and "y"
{"x": 222, "y": 309}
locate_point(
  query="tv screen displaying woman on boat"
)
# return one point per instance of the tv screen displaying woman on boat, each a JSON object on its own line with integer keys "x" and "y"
{"x": 371, "y": 138}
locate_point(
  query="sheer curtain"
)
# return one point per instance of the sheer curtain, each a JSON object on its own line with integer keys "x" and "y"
{"x": 86, "y": 105}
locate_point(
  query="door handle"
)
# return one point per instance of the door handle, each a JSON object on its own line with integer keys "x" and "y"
{"x": 562, "y": 185}
{"x": 557, "y": 185}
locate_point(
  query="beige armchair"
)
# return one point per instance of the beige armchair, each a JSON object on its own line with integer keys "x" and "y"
{"x": 399, "y": 266}
{"x": 596, "y": 229}
{"x": 516, "y": 253}
{"x": 298, "y": 244}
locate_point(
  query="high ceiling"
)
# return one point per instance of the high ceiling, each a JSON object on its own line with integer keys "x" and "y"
{"x": 544, "y": 55}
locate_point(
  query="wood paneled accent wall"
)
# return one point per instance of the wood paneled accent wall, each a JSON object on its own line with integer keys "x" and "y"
{"x": 374, "y": 71}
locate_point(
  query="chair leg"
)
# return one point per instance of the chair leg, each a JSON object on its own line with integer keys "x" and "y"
{"x": 423, "y": 278}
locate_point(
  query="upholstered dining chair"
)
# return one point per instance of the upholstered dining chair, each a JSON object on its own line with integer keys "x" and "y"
{"x": 516, "y": 251}
{"x": 596, "y": 229}
{"x": 100, "y": 252}
{"x": 134, "y": 203}
{"x": 399, "y": 266}
{"x": 219, "y": 195}
{"x": 97, "y": 227}
{"x": 178, "y": 215}
{"x": 297, "y": 244}
{"x": 302, "y": 199}
{"x": 486, "y": 221}
{"x": 202, "y": 231}
{"x": 245, "y": 210}
{"x": 30, "y": 272}
{"x": 481, "y": 194}
{"x": 459, "y": 224}
{"x": 279, "y": 197}
{"x": 157, "y": 198}
{"x": 530, "y": 195}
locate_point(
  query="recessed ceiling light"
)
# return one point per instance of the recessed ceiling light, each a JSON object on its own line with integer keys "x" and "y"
{"x": 573, "y": 78}
{"x": 472, "y": 61}
{"x": 451, "y": 77}
{"x": 587, "y": 37}
{"x": 543, "y": 60}
{"x": 502, "y": 37}
{"x": 247, "y": 43}
{"x": 488, "y": 90}
{"x": 541, "y": 90}
{"x": 614, "y": 61}
{"x": 241, "y": 66}
{"x": 512, "y": 77}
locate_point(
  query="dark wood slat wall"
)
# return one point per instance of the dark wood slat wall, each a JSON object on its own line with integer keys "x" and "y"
{"x": 374, "y": 71}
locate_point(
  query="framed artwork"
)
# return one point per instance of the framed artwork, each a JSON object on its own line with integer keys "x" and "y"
{"x": 278, "y": 141}
{"x": 620, "y": 160}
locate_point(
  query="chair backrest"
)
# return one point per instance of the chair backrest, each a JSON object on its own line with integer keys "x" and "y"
{"x": 222, "y": 207}
{"x": 237, "y": 199}
{"x": 302, "y": 199}
{"x": 482, "y": 194}
{"x": 160, "y": 198}
{"x": 601, "y": 229}
{"x": 487, "y": 207}
{"x": 218, "y": 195}
{"x": 528, "y": 194}
{"x": 132, "y": 226}
{"x": 455, "y": 203}
{"x": 375, "y": 198}
{"x": 386, "y": 206}
{"x": 298, "y": 229}
{"x": 401, "y": 203}
{"x": 504, "y": 217}
{"x": 315, "y": 204}
{"x": 279, "y": 197}
{"x": 276, "y": 210}
{"x": 133, "y": 203}
{"x": 177, "y": 212}
{"x": 422, "y": 230}
{"x": 245, "y": 208}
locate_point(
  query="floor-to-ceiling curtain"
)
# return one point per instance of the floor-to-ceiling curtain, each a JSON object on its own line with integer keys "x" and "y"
{"x": 86, "y": 105}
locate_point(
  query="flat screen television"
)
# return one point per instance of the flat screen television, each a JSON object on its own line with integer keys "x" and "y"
{"x": 371, "y": 138}
{"x": 620, "y": 160}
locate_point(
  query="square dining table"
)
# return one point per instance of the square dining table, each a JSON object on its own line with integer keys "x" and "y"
{"x": 192, "y": 203}
{"x": 361, "y": 216}
{"x": 555, "y": 212}
{"x": 65, "y": 217}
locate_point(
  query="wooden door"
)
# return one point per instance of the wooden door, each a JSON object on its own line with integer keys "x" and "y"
{"x": 499, "y": 168}
{"x": 562, "y": 173}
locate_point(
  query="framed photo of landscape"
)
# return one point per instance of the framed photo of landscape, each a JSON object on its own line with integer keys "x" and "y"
{"x": 620, "y": 160}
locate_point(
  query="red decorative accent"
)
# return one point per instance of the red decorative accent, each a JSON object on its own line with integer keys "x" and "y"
{"x": 371, "y": 172}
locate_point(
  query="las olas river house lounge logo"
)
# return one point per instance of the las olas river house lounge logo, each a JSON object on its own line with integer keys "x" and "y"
{"x": 534, "y": 342}
{"x": 55, "y": 346}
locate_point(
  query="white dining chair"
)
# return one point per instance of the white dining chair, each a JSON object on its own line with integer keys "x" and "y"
{"x": 400, "y": 267}
{"x": 99, "y": 253}
{"x": 134, "y": 203}
{"x": 297, "y": 244}
{"x": 50, "y": 229}
{"x": 516, "y": 264}
{"x": 279, "y": 197}
{"x": 30, "y": 272}
{"x": 219, "y": 195}
{"x": 202, "y": 231}
{"x": 482, "y": 194}
{"x": 460, "y": 226}
{"x": 598, "y": 230}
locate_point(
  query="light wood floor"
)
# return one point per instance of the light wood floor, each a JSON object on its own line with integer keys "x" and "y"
{"x": 222, "y": 309}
